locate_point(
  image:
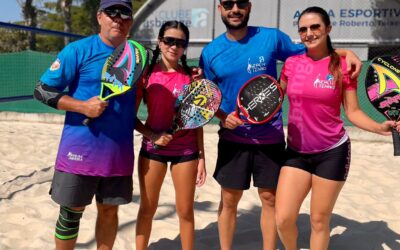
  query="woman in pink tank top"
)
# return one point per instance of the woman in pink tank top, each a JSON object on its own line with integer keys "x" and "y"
{"x": 184, "y": 150}
{"x": 318, "y": 151}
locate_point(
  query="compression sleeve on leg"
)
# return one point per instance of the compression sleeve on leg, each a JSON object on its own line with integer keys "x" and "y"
{"x": 67, "y": 226}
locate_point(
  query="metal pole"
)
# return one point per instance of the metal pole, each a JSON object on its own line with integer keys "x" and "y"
{"x": 278, "y": 23}
{"x": 213, "y": 18}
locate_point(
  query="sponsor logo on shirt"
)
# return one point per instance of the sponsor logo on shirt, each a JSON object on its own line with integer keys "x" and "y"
{"x": 74, "y": 157}
{"x": 328, "y": 83}
{"x": 55, "y": 65}
{"x": 257, "y": 66}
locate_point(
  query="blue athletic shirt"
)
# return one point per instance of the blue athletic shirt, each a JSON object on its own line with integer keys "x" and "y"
{"x": 105, "y": 147}
{"x": 230, "y": 64}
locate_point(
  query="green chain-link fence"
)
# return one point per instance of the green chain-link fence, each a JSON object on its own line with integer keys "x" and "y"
{"x": 21, "y": 70}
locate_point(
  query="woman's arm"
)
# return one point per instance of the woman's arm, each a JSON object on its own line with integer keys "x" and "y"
{"x": 354, "y": 63}
{"x": 201, "y": 167}
{"x": 357, "y": 117}
{"x": 158, "y": 139}
{"x": 283, "y": 85}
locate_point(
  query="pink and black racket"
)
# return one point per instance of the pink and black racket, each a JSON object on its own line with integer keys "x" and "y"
{"x": 259, "y": 99}
{"x": 383, "y": 90}
{"x": 198, "y": 103}
{"x": 122, "y": 69}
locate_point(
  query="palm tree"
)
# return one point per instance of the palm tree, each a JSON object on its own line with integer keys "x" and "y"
{"x": 91, "y": 6}
{"x": 65, "y": 7}
{"x": 30, "y": 16}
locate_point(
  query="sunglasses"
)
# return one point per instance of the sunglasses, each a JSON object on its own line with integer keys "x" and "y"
{"x": 171, "y": 41}
{"x": 124, "y": 14}
{"x": 228, "y": 5}
{"x": 313, "y": 27}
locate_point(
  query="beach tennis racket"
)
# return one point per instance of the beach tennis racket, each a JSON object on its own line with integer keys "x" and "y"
{"x": 122, "y": 69}
{"x": 383, "y": 90}
{"x": 197, "y": 105}
{"x": 259, "y": 99}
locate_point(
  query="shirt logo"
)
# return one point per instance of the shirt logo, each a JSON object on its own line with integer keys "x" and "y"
{"x": 328, "y": 83}
{"x": 55, "y": 65}
{"x": 74, "y": 157}
{"x": 260, "y": 65}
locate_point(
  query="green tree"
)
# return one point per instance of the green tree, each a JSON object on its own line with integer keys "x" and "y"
{"x": 71, "y": 16}
{"x": 65, "y": 7}
{"x": 12, "y": 41}
{"x": 30, "y": 16}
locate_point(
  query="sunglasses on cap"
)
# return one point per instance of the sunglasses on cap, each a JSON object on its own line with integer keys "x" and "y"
{"x": 171, "y": 41}
{"x": 124, "y": 14}
{"x": 228, "y": 5}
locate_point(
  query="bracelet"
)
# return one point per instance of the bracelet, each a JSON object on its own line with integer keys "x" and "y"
{"x": 201, "y": 155}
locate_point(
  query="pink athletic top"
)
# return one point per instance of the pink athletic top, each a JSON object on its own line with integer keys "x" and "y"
{"x": 314, "y": 123}
{"x": 162, "y": 90}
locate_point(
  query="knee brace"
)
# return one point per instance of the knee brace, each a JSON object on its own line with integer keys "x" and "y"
{"x": 67, "y": 226}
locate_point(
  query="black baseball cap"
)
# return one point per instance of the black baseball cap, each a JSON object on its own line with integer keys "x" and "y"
{"x": 104, "y": 4}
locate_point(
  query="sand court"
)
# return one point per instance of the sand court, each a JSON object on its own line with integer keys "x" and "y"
{"x": 366, "y": 216}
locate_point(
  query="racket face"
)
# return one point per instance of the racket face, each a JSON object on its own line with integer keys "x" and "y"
{"x": 259, "y": 99}
{"x": 200, "y": 101}
{"x": 383, "y": 85}
{"x": 142, "y": 59}
{"x": 122, "y": 69}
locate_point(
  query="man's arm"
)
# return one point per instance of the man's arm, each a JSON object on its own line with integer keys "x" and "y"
{"x": 354, "y": 63}
{"x": 59, "y": 100}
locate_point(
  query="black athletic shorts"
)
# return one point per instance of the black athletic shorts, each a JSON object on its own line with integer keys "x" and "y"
{"x": 333, "y": 164}
{"x": 168, "y": 158}
{"x": 72, "y": 190}
{"x": 237, "y": 163}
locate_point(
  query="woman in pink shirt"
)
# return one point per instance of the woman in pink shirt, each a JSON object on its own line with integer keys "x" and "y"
{"x": 184, "y": 150}
{"x": 318, "y": 150}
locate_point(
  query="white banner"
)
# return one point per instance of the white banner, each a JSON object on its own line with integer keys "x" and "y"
{"x": 353, "y": 21}
{"x": 197, "y": 15}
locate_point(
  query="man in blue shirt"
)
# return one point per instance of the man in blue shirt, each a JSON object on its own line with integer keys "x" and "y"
{"x": 247, "y": 151}
{"x": 95, "y": 160}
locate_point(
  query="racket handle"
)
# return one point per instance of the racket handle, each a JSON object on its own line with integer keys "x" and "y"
{"x": 87, "y": 121}
{"x": 396, "y": 142}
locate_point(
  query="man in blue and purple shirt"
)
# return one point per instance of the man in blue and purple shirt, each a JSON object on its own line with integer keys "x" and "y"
{"x": 95, "y": 160}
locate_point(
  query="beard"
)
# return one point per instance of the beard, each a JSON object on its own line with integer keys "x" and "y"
{"x": 239, "y": 26}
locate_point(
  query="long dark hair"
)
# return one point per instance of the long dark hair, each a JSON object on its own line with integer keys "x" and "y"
{"x": 334, "y": 66}
{"x": 173, "y": 24}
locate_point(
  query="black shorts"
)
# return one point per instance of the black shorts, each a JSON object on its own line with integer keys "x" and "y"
{"x": 237, "y": 162}
{"x": 333, "y": 164}
{"x": 168, "y": 158}
{"x": 72, "y": 190}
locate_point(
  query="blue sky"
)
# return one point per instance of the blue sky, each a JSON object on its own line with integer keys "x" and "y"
{"x": 10, "y": 11}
